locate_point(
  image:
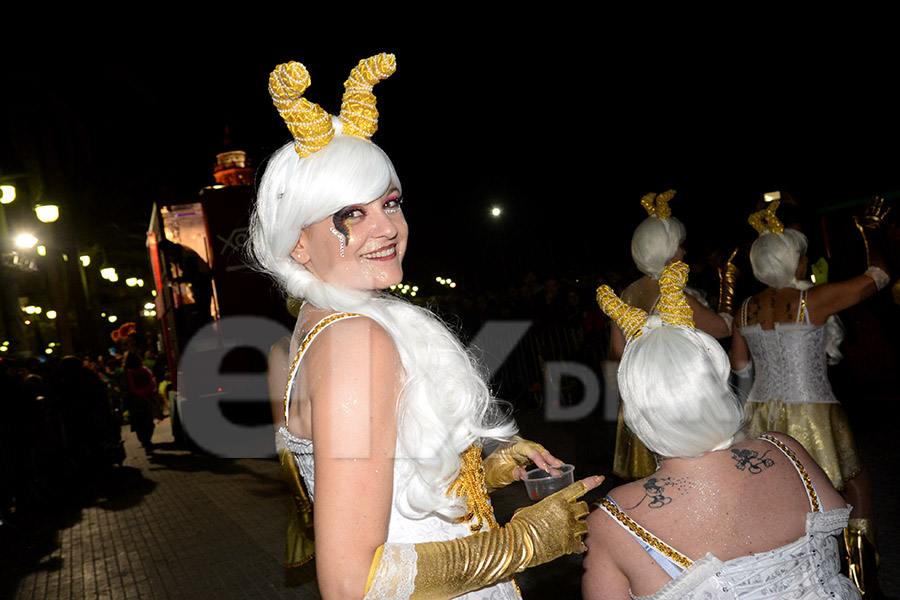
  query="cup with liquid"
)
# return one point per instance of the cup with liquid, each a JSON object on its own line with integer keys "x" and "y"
{"x": 539, "y": 483}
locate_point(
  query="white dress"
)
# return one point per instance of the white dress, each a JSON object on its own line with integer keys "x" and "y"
{"x": 806, "y": 569}
{"x": 404, "y": 531}
{"x": 791, "y": 392}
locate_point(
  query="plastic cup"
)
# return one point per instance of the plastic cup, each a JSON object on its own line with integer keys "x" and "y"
{"x": 539, "y": 484}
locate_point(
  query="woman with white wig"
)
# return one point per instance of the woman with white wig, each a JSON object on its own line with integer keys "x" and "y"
{"x": 783, "y": 330}
{"x": 384, "y": 411}
{"x": 656, "y": 243}
{"x": 724, "y": 515}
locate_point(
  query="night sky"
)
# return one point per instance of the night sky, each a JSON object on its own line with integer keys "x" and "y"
{"x": 566, "y": 132}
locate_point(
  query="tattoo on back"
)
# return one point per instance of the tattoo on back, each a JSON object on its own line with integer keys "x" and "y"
{"x": 750, "y": 460}
{"x": 654, "y": 490}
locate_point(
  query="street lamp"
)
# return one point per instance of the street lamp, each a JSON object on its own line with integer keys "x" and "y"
{"x": 7, "y": 194}
{"x": 26, "y": 240}
{"x": 47, "y": 213}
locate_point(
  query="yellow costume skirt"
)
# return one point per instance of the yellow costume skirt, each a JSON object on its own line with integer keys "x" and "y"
{"x": 632, "y": 460}
{"x": 822, "y": 428}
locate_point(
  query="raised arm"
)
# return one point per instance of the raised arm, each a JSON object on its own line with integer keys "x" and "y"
{"x": 354, "y": 377}
{"x": 708, "y": 320}
{"x": 831, "y": 298}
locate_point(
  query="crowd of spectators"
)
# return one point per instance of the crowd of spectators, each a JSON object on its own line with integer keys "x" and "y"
{"x": 61, "y": 428}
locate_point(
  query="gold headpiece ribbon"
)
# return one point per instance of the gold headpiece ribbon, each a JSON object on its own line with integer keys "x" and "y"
{"x": 308, "y": 122}
{"x": 672, "y": 305}
{"x": 765, "y": 219}
{"x": 658, "y": 205}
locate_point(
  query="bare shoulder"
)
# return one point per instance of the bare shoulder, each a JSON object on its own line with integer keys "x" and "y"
{"x": 349, "y": 339}
{"x": 828, "y": 496}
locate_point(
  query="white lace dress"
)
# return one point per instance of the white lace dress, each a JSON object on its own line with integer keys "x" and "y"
{"x": 403, "y": 531}
{"x": 791, "y": 392}
{"x": 806, "y": 569}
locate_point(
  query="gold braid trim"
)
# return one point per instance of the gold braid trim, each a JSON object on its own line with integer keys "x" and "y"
{"x": 673, "y": 304}
{"x": 629, "y": 318}
{"x": 765, "y": 219}
{"x": 470, "y": 484}
{"x": 308, "y": 123}
{"x": 358, "y": 110}
{"x": 810, "y": 489}
{"x": 658, "y": 205}
{"x": 643, "y": 534}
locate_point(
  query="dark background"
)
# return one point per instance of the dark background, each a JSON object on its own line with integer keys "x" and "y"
{"x": 564, "y": 121}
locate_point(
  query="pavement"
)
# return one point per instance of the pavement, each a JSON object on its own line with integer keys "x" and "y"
{"x": 181, "y": 524}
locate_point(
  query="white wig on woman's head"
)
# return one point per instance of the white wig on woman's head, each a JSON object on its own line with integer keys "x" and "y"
{"x": 775, "y": 257}
{"x": 655, "y": 242}
{"x": 297, "y": 192}
{"x": 676, "y": 395}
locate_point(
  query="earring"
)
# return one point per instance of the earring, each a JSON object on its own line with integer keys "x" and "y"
{"x": 340, "y": 237}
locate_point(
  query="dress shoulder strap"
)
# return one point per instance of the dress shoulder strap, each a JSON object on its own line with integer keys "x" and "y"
{"x": 671, "y": 561}
{"x": 801, "y": 470}
{"x": 744, "y": 311}
{"x": 803, "y": 309}
{"x": 292, "y": 375}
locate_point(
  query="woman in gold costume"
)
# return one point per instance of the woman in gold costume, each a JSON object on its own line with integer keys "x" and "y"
{"x": 656, "y": 243}
{"x": 384, "y": 410}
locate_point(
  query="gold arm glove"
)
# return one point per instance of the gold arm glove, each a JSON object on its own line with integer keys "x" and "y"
{"x": 502, "y": 462}
{"x": 869, "y": 226}
{"x": 728, "y": 274}
{"x": 300, "y": 546}
{"x": 535, "y": 535}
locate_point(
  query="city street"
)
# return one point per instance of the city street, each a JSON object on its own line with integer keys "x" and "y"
{"x": 188, "y": 525}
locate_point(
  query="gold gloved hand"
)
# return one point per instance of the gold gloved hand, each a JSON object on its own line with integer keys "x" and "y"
{"x": 535, "y": 535}
{"x": 728, "y": 274}
{"x": 501, "y": 464}
{"x": 869, "y": 226}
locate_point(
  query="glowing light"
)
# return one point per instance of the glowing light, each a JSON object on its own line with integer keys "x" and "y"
{"x": 42, "y": 250}
{"x": 131, "y": 281}
{"x": 48, "y": 351}
{"x": 149, "y": 306}
{"x": 108, "y": 273}
{"x": 47, "y": 213}
{"x": 26, "y": 240}
{"x": 112, "y": 318}
{"x": 496, "y": 211}
{"x": 85, "y": 260}
{"x": 51, "y": 314}
{"x": 7, "y": 194}
{"x": 769, "y": 197}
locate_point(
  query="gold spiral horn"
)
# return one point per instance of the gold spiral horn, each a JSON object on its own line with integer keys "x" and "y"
{"x": 308, "y": 123}
{"x": 673, "y": 305}
{"x": 358, "y": 111}
{"x": 629, "y": 318}
{"x": 658, "y": 204}
{"x": 765, "y": 219}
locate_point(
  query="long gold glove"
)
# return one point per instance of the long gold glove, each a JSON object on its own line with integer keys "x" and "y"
{"x": 300, "y": 546}
{"x": 535, "y": 535}
{"x": 728, "y": 274}
{"x": 500, "y": 465}
{"x": 869, "y": 226}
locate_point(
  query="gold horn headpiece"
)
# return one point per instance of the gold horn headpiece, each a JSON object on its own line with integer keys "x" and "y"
{"x": 308, "y": 123}
{"x": 672, "y": 305}
{"x": 765, "y": 219}
{"x": 658, "y": 205}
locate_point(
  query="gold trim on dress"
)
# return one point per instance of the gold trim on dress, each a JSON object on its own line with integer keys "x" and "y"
{"x": 470, "y": 484}
{"x": 645, "y": 535}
